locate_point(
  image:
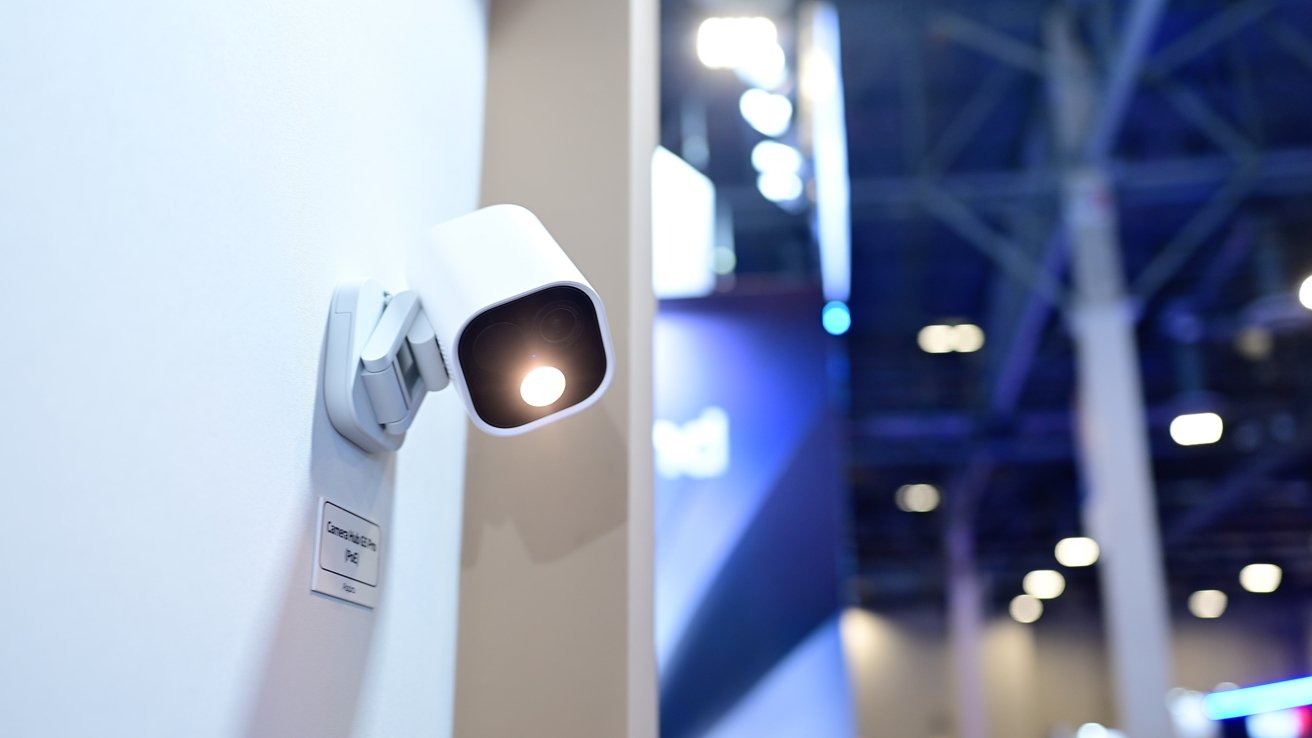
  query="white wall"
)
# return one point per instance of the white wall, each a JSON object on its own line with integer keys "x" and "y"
{"x": 181, "y": 186}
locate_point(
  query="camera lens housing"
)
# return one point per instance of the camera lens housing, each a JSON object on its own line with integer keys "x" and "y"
{"x": 523, "y": 335}
{"x": 554, "y": 327}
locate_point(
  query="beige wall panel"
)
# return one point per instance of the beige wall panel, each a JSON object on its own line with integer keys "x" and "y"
{"x": 555, "y": 632}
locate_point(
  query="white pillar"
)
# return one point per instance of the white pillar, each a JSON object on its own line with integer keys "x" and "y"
{"x": 966, "y": 627}
{"x": 1120, "y": 511}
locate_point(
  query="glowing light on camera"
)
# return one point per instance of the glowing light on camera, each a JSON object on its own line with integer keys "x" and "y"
{"x": 1078, "y": 551}
{"x": 1260, "y": 578}
{"x": 542, "y": 386}
{"x": 1208, "y": 604}
{"x": 1305, "y": 293}
{"x": 1044, "y": 584}
{"x": 1197, "y": 429}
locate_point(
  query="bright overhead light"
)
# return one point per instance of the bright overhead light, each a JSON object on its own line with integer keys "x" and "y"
{"x": 1044, "y": 584}
{"x": 768, "y": 113}
{"x": 836, "y": 318}
{"x": 1025, "y": 608}
{"x": 1078, "y": 551}
{"x": 542, "y": 386}
{"x": 733, "y": 43}
{"x": 1260, "y": 578}
{"x": 1208, "y": 604}
{"x": 942, "y": 339}
{"x": 917, "y": 498}
{"x": 936, "y": 339}
{"x": 780, "y": 186}
{"x": 969, "y": 338}
{"x": 1197, "y": 429}
{"x": 1305, "y": 293}
{"x": 772, "y": 156}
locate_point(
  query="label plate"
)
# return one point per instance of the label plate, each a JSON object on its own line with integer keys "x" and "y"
{"x": 347, "y": 551}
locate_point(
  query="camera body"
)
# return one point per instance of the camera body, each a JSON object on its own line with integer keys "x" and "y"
{"x": 523, "y": 335}
{"x": 495, "y": 308}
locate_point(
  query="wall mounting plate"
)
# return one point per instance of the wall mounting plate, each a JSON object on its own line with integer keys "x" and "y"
{"x": 356, "y": 310}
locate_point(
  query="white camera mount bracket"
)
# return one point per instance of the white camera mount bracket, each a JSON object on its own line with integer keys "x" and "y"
{"x": 381, "y": 359}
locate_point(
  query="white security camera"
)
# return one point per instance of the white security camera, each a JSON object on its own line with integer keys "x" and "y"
{"x": 495, "y": 308}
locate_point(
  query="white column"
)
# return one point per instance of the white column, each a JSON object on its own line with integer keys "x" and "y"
{"x": 1120, "y": 511}
{"x": 966, "y": 628}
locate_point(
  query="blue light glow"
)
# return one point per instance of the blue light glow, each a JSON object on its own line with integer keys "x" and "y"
{"x": 836, "y": 318}
{"x": 1235, "y": 703}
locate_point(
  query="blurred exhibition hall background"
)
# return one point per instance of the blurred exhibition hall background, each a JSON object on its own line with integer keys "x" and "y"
{"x": 984, "y": 368}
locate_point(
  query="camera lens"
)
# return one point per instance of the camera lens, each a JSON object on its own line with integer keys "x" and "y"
{"x": 558, "y": 322}
{"x": 499, "y": 347}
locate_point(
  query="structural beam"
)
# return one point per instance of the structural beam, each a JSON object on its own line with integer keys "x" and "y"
{"x": 987, "y": 41}
{"x": 1136, "y": 35}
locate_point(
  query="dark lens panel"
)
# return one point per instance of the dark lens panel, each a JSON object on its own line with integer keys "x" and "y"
{"x": 557, "y": 327}
{"x": 558, "y": 322}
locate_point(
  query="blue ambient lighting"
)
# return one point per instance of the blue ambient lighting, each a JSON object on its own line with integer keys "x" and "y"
{"x": 1235, "y": 703}
{"x": 836, "y": 318}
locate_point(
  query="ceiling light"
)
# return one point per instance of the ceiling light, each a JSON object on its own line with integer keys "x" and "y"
{"x": 734, "y": 43}
{"x": 1260, "y": 578}
{"x": 772, "y": 156}
{"x": 1044, "y": 584}
{"x": 1197, "y": 429}
{"x": 1077, "y": 551}
{"x": 1025, "y": 609}
{"x": 779, "y": 186}
{"x": 968, "y": 338}
{"x": 1208, "y": 603}
{"x": 942, "y": 339}
{"x": 935, "y": 339}
{"x": 768, "y": 113}
{"x": 1305, "y": 293}
{"x": 917, "y": 498}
